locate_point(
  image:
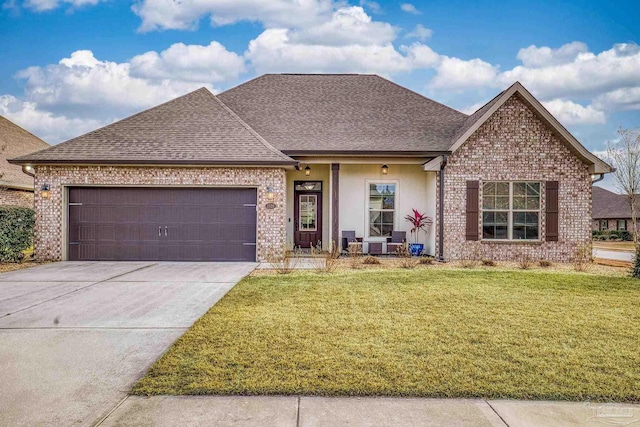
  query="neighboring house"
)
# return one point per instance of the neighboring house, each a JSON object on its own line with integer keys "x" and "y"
{"x": 611, "y": 211}
{"x": 16, "y": 188}
{"x": 287, "y": 160}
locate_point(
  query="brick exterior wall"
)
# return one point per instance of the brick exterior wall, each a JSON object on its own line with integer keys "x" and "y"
{"x": 12, "y": 197}
{"x": 514, "y": 144}
{"x": 49, "y": 239}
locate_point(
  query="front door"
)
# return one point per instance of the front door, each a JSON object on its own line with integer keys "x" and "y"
{"x": 308, "y": 216}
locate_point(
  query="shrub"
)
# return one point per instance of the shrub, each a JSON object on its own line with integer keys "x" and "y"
{"x": 524, "y": 261}
{"x": 545, "y": 263}
{"x": 488, "y": 263}
{"x": 370, "y": 260}
{"x": 283, "y": 260}
{"x": 16, "y": 232}
{"x": 426, "y": 260}
{"x": 584, "y": 255}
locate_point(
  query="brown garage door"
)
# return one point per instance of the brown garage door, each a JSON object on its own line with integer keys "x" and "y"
{"x": 162, "y": 224}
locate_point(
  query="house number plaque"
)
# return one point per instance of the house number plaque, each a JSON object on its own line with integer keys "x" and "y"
{"x": 270, "y": 206}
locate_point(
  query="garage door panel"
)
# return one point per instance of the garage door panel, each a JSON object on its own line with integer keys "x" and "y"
{"x": 182, "y": 224}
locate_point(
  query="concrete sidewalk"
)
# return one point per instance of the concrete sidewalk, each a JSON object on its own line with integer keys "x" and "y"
{"x": 276, "y": 411}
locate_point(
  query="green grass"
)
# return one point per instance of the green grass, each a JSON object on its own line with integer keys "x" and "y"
{"x": 427, "y": 332}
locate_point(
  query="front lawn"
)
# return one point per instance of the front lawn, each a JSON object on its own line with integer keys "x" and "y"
{"x": 425, "y": 332}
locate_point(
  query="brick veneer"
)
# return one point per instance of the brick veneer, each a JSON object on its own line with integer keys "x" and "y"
{"x": 11, "y": 197}
{"x": 48, "y": 240}
{"x": 514, "y": 144}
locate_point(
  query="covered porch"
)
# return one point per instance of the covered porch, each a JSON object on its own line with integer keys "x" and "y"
{"x": 327, "y": 198}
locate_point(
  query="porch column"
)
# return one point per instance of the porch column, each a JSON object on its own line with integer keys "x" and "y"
{"x": 335, "y": 204}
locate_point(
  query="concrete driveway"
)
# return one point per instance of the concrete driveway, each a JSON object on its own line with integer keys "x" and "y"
{"x": 75, "y": 336}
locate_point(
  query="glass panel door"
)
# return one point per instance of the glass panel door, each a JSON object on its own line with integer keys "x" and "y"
{"x": 308, "y": 212}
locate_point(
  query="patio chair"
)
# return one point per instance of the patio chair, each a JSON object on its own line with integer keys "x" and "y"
{"x": 396, "y": 241}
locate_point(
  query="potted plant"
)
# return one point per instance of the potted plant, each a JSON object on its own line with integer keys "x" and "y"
{"x": 418, "y": 222}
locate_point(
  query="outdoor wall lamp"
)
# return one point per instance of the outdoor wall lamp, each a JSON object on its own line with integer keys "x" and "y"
{"x": 270, "y": 193}
{"x": 28, "y": 169}
{"x": 44, "y": 191}
{"x": 385, "y": 169}
{"x": 307, "y": 171}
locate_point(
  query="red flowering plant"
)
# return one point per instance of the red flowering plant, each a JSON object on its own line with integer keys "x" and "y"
{"x": 418, "y": 222}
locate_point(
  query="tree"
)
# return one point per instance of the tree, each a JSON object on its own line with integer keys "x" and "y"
{"x": 624, "y": 155}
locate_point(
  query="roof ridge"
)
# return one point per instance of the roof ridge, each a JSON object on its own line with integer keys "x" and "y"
{"x": 248, "y": 128}
{"x": 117, "y": 121}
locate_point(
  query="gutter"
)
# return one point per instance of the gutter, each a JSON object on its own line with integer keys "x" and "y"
{"x": 445, "y": 158}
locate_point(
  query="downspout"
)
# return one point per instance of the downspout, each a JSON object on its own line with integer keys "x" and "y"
{"x": 445, "y": 158}
{"x": 600, "y": 178}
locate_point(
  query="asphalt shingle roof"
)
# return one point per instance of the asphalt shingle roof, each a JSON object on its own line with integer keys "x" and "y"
{"x": 609, "y": 205}
{"x": 14, "y": 142}
{"x": 193, "y": 129}
{"x": 342, "y": 112}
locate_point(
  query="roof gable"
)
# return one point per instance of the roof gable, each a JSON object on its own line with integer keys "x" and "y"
{"x": 478, "y": 118}
{"x": 193, "y": 129}
{"x": 14, "y": 142}
{"x": 342, "y": 113}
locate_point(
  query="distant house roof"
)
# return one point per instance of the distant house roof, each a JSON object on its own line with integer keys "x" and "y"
{"x": 193, "y": 129}
{"x": 337, "y": 113}
{"x": 609, "y": 205}
{"x": 14, "y": 142}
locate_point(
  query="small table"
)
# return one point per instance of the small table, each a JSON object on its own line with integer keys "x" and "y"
{"x": 375, "y": 248}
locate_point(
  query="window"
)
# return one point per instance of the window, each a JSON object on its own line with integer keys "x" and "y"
{"x": 511, "y": 210}
{"x": 622, "y": 225}
{"x": 604, "y": 225}
{"x": 382, "y": 209}
{"x": 307, "y": 212}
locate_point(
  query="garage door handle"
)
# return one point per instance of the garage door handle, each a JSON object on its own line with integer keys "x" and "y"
{"x": 165, "y": 232}
{"x": 159, "y": 231}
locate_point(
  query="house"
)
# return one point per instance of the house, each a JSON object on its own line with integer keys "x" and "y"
{"x": 294, "y": 159}
{"x": 16, "y": 188}
{"x": 611, "y": 211}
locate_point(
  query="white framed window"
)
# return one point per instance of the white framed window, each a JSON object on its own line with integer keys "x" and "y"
{"x": 622, "y": 225}
{"x": 381, "y": 208}
{"x": 307, "y": 212}
{"x": 511, "y": 210}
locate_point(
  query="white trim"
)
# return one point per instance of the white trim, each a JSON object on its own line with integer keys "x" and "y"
{"x": 368, "y": 182}
{"x": 596, "y": 164}
{"x": 510, "y": 212}
{"x": 433, "y": 165}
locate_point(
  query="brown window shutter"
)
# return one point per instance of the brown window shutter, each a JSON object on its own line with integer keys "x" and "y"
{"x": 552, "y": 211}
{"x": 473, "y": 200}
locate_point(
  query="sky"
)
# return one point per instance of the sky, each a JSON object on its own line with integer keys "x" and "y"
{"x": 71, "y": 66}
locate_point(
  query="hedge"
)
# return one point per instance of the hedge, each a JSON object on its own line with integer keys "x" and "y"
{"x": 611, "y": 235}
{"x": 16, "y": 232}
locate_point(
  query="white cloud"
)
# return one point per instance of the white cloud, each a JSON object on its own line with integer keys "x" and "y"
{"x": 458, "y": 74}
{"x": 348, "y": 26}
{"x": 82, "y": 92}
{"x": 623, "y": 99}
{"x": 571, "y": 113}
{"x": 273, "y": 51}
{"x": 409, "y": 8}
{"x": 420, "y": 32}
{"x": 373, "y": 6}
{"x": 189, "y": 63}
{"x": 83, "y": 82}
{"x": 185, "y": 14}
{"x": 588, "y": 75}
{"x": 538, "y": 57}
{"x": 50, "y": 127}
{"x": 44, "y": 5}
